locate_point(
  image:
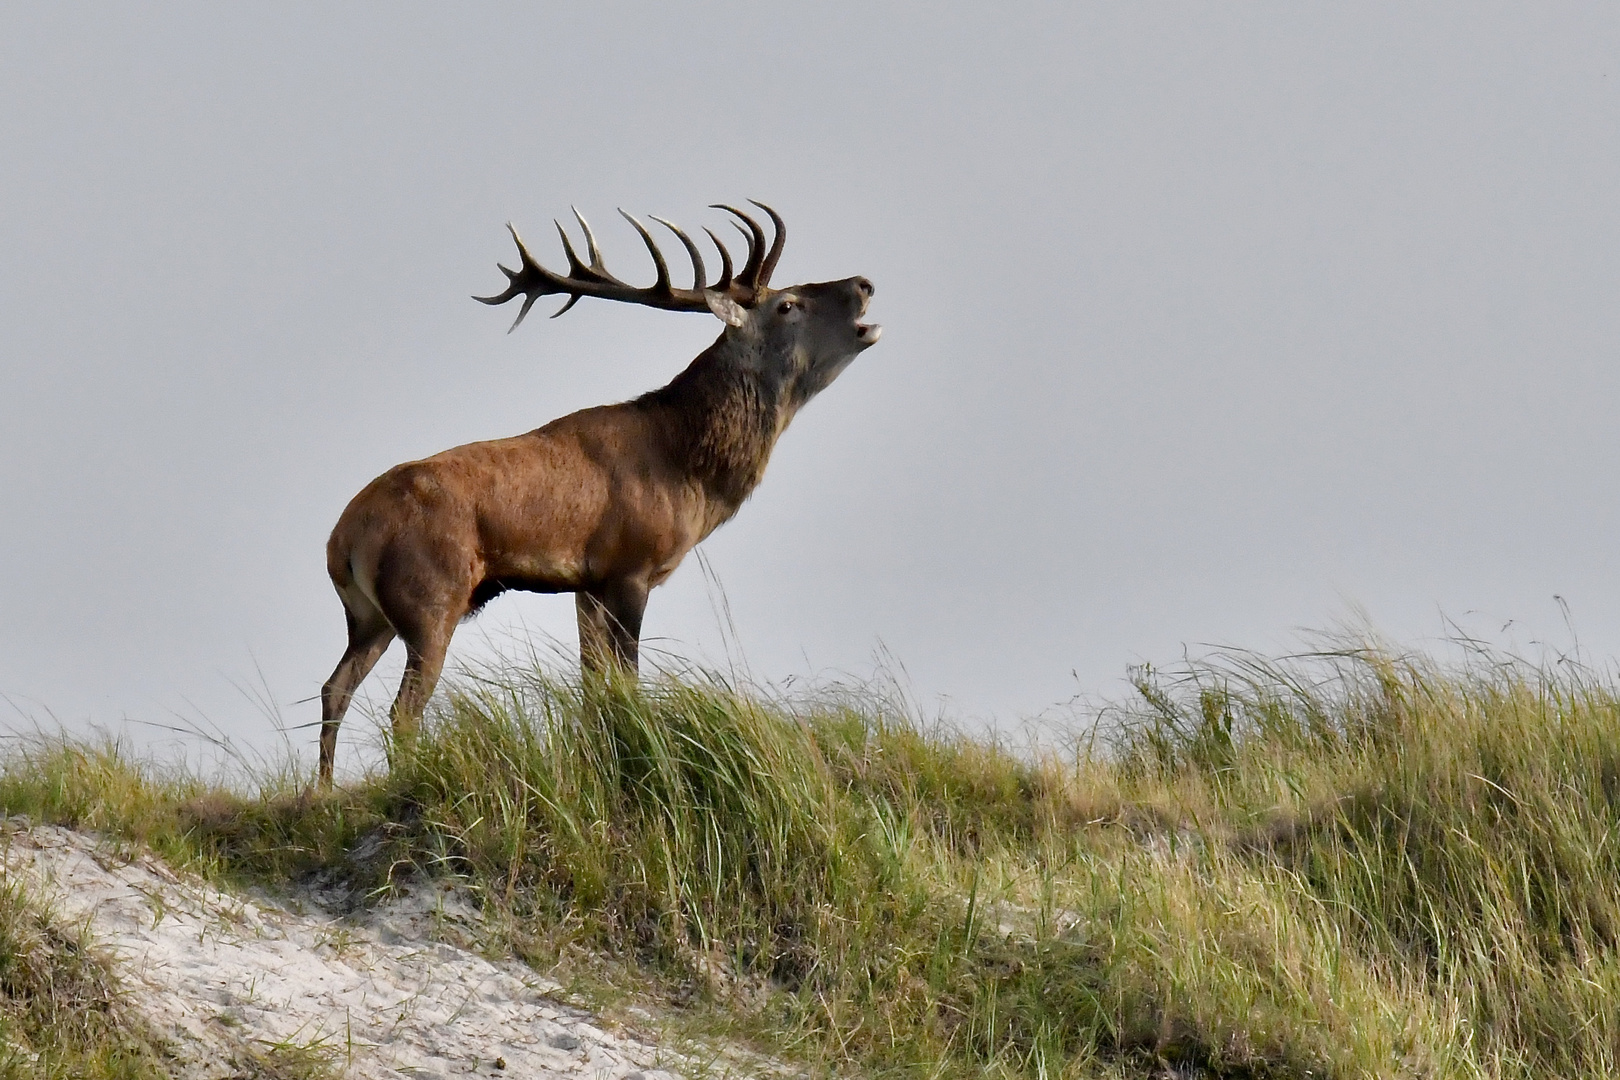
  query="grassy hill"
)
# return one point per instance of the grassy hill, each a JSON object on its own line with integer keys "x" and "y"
{"x": 1354, "y": 863}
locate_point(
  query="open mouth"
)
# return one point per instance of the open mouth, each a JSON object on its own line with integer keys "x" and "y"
{"x": 866, "y": 333}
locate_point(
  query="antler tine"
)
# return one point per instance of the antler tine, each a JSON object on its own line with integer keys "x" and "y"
{"x": 528, "y": 302}
{"x": 700, "y": 276}
{"x": 756, "y": 247}
{"x": 510, "y": 291}
{"x": 748, "y": 238}
{"x": 777, "y": 240}
{"x": 575, "y": 267}
{"x": 725, "y": 262}
{"x": 525, "y": 261}
{"x": 590, "y": 242}
{"x": 661, "y": 286}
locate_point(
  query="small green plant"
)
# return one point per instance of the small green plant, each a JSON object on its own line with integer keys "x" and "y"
{"x": 292, "y": 1059}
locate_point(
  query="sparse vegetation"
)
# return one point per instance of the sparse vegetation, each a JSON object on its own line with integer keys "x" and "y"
{"x": 62, "y": 1014}
{"x": 1356, "y": 863}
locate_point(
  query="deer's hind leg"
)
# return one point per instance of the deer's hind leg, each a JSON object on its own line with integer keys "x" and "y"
{"x": 426, "y": 633}
{"x": 369, "y": 637}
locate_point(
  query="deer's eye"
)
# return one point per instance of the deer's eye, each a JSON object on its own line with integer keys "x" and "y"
{"x": 785, "y": 306}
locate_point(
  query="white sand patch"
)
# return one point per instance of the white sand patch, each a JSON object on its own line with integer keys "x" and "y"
{"x": 380, "y": 996}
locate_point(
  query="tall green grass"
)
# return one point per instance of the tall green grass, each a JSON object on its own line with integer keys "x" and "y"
{"x": 1356, "y": 863}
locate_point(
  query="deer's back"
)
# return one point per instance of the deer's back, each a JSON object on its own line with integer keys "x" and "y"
{"x": 588, "y": 497}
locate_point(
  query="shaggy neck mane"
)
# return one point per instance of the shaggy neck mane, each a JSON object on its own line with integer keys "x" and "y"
{"x": 722, "y": 420}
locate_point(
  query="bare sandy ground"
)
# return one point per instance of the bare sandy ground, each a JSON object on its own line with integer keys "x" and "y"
{"x": 380, "y": 995}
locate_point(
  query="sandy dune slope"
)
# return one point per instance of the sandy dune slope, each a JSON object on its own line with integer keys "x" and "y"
{"x": 381, "y": 995}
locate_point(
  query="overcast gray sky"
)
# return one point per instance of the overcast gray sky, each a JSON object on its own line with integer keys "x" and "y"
{"x": 1203, "y": 323}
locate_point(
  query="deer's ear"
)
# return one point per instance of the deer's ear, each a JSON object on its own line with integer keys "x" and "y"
{"x": 725, "y": 308}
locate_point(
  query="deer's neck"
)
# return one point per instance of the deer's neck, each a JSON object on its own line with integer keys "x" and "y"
{"x": 723, "y": 421}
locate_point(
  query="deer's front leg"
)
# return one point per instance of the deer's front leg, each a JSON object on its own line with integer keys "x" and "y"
{"x": 610, "y": 625}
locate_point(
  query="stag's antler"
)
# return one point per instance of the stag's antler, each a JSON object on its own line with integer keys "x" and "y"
{"x": 533, "y": 281}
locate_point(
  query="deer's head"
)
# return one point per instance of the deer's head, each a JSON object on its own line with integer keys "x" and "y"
{"x": 796, "y": 340}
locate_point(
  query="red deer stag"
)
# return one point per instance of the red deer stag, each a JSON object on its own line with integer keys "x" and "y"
{"x": 603, "y": 503}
